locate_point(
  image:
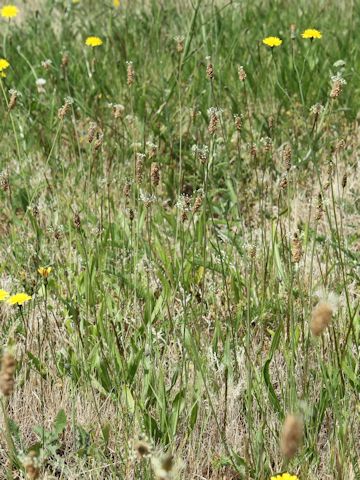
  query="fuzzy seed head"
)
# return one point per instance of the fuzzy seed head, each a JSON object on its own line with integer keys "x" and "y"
{"x": 291, "y": 436}
{"x": 321, "y": 318}
{"x": 142, "y": 448}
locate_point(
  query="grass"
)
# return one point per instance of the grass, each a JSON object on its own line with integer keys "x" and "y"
{"x": 190, "y": 240}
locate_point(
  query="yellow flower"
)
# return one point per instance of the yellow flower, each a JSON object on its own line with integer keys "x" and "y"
{"x": 116, "y": 3}
{"x": 311, "y": 33}
{"x": 93, "y": 41}
{"x": 3, "y": 295}
{"x": 285, "y": 476}
{"x": 272, "y": 41}
{"x": 44, "y": 271}
{"x": 4, "y": 64}
{"x": 9, "y": 11}
{"x": 19, "y": 299}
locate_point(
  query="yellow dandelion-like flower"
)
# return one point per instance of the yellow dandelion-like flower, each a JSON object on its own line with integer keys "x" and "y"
{"x": 311, "y": 33}
{"x": 9, "y": 11}
{"x": 116, "y": 3}
{"x": 19, "y": 299}
{"x": 4, "y": 64}
{"x": 285, "y": 476}
{"x": 3, "y": 295}
{"x": 44, "y": 271}
{"x": 272, "y": 41}
{"x": 93, "y": 41}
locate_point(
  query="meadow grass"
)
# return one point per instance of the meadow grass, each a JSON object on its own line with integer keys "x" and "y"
{"x": 195, "y": 194}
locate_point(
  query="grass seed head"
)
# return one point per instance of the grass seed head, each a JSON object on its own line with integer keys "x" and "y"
{"x": 319, "y": 208}
{"x": 143, "y": 448}
{"x": 321, "y": 318}
{"x": 7, "y": 382}
{"x": 296, "y": 248}
{"x": 291, "y": 435}
{"x": 344, "y": 180}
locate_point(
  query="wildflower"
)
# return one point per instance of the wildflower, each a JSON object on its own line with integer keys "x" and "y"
{"x": 291, "y": 436}
{"x": 116, "y": 3}
{"x": 40, "y": 84}
{"x": 9, "y": 11}
{"x": 19, "y": 299}
{"x": 46, "y": 64}
{"x": 65, "y": 109}
{"x": 44, "y": 271}
{"x": 238, "y": 120}
{"x": 272, "y": 42}
{"x": 241, "y": 73}
{"x": 214, "y": 119}
{"x": 4, "y": 64}
{"x": 198, "y": 203}
{"x": 179, "y": 39}
{"x": 311, "y": 33}
{"x": 3, "y": 295}
{"x": 118, "y": 110}
{"x": 337, "y": 85}
{"x": 285, "y": 476}
{"x": 93, "y": 42}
